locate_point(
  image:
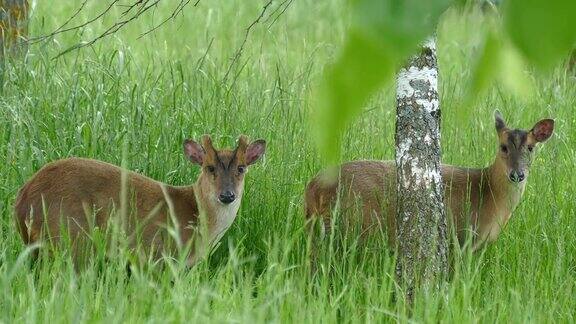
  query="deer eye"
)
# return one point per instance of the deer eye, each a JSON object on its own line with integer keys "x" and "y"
{"x": 503, "y": 148}
{"x": 210, "y": 168}
{"x": 530, "y": 148}
{"x": 241, "y": 169}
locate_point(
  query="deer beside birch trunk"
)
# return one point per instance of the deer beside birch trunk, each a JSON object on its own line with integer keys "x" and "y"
{"x": 480, "y": 201}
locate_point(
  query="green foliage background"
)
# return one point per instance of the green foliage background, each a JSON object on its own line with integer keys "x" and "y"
{"x": 145, "y": 96}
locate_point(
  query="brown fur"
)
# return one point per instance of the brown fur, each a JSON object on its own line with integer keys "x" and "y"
{"x": 81, "y": 194}
{"x": 480, "y": 201}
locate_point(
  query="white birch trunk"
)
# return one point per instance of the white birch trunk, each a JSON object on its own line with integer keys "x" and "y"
{"x": 421, "y": 217}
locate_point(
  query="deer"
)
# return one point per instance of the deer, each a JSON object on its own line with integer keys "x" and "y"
{"x": 479, "y": 201}
{"x": 73, "y": 196}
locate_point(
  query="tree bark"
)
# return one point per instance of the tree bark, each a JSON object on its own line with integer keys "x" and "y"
{"x": 421, "y": 217}
{"x": 13, "y": 29}
{"x": 13, "y": 24}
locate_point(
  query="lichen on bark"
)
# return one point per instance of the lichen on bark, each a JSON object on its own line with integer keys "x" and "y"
{"x": 421, "y": 216}
{"x": 13, "y": 25}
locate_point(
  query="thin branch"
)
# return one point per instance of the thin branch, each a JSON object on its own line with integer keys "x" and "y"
{"x": 286, "y": 4}
{"x": 56, "y": 32}
{"x": 275, "y": 11}
{"x": 74, "y": 15}
{"x": 112, "y": 29}
{"x": 175, "y": 12}
{"x": 142, "y": 6}
{"x": 130, "y": 7}
{"x": 246, "y": 34}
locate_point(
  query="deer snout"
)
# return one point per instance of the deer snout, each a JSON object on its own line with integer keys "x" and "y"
{"x": 227, "y": 197}
{"x": 517, "y": 176}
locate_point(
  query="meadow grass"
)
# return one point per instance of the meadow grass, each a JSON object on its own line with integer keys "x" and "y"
{"x": 133, "y": 101}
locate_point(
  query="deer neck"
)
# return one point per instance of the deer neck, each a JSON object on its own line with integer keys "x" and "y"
{"x": 500, "y": 199}
{"x": 504, "y": 195}
{"x": 215, "y": 217}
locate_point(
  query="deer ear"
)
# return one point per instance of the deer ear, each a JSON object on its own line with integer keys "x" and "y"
{"x": 499, "y": 121}
{"x": 543, "y": 130}
{"x": 255, "y": 150}
{"x": 194, "y": 151}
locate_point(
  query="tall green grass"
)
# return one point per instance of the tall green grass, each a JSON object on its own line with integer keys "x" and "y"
{"x": 145, "y": 96}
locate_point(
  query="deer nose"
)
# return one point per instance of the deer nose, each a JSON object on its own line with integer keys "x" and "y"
{"x": 517, "y": 176}
{"x": 227, "y": 197}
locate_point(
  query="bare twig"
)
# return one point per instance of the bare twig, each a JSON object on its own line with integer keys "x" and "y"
{"x": 286, "y": 4}
{"x": 129, "y": 7}
{"x": 246, "y": 34}
{"x": 136, "y": 8}
{"x": 74, "y": 15}
{"x": 175, "y": 12}
{"x": 114, "y": 28}
{"x": 60, "y": 30}
{"x": 274, "y": 11}
{"x": 131, "y": 10}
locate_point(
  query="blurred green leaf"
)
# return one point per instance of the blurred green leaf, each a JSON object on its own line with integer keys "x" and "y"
{"x": 514, "y": 72}
{"x": 499, "y": 60}
{"x": 383, "y": 34}
{"x": 544, "y": 31}
{"x": 486, "y": 69}
{"x": 361, "y": 69}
